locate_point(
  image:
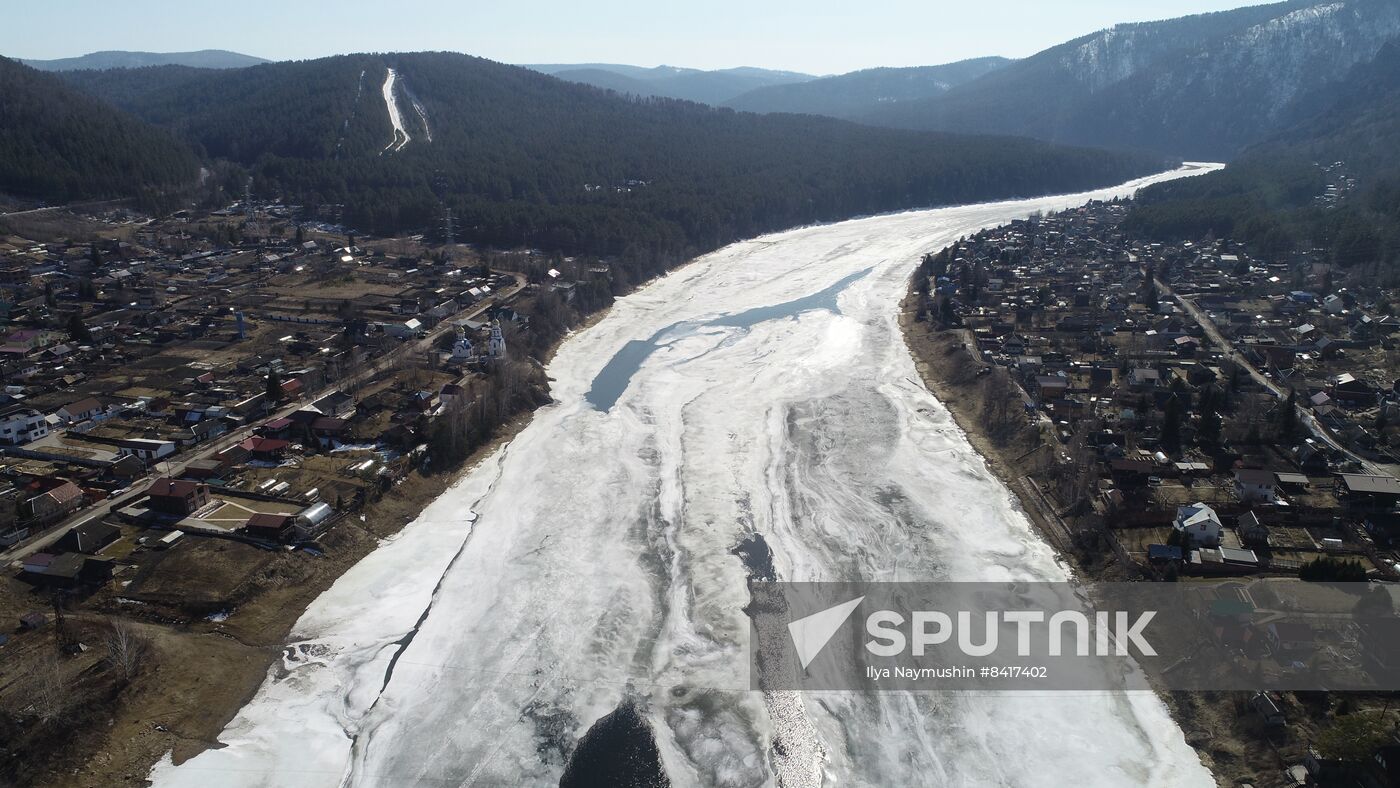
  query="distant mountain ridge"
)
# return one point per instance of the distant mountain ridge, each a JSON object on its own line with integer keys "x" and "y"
{"x": 1202, "y": 86}
{"x": 862, "y": 92}
{"x": 661, "y": 72}
{"x": 204, "y": 58}
{"x": 523, "y": 158}
{"x": 689, "y": 84}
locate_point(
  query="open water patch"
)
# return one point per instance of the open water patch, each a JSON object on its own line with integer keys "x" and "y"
{"x": 615, "y": 376}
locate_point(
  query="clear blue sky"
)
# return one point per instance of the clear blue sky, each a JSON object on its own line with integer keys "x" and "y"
{"x": 816, "y": 36}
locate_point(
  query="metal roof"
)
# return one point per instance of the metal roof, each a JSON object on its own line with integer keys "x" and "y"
{"x": 1365, "y": 483}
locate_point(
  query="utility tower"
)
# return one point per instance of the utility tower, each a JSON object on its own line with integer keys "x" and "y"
{"x": 449, "y": 226}
{"x": 447, "y": 223}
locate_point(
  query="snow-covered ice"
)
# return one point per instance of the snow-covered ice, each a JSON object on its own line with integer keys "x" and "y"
{"x": 764, "y": 388}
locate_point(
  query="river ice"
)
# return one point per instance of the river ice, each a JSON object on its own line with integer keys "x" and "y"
{"x": 764, "y": 388}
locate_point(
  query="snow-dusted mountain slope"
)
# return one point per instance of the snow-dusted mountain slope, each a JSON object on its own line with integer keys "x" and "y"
{"x": 1199, "y": 86}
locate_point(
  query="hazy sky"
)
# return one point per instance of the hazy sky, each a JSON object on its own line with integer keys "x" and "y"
{"x": 815, "y": 36}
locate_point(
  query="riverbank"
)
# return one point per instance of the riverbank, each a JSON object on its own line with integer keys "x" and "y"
{"x": 949, "y": 366}
{"x": 1224, "y": 728}
{"x": 951, "y": 369}
{"x": 198, "y": 673}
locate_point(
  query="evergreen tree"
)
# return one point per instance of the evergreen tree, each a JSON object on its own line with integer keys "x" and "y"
{"x": 274, "y": 386}
{"x": 1209, "y": 430}
{"x": 1288, "y": 416}
{"x": 77, "y": 330}
{"x": 947, "y": 315}
{"x": 1182, "y": 392}
{"x": 1149, "y": 290}
{"x": 1328, "y": 569}
{"x": 1171, "y": 426}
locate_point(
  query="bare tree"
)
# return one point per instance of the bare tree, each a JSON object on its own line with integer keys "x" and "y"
{"x": 126, "y": 648}
{"x": 50, "y": 695}
{"x": 1000, "y": 404}
{"x": 450, "y": 440}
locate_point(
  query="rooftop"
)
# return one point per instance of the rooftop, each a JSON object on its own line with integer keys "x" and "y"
{"x": 1366, "y": 483}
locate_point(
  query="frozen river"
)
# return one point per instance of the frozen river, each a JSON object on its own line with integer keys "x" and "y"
{"x": 762, "y": 389}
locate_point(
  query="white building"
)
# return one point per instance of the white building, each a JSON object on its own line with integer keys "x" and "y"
{"x": 1252, "y": 486}
{"x": 82, "y": 410}
{"x": 21, "y": 425}
{"x": 463, "y": 349}
{"x": 146, "y": 449}
{"x": 496, "y": 345}
{"x": 408, "y": 329}
{"x": 1199, "y": 524}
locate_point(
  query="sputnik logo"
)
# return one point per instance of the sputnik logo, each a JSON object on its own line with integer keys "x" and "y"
{"x": 811, "y": 633}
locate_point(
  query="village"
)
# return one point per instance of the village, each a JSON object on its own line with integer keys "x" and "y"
{"x": 199, "y": 410}
{"x": 1181, "y": 413}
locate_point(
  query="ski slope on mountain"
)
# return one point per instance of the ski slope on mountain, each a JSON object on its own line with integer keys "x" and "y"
{"x": 391, "y": 101}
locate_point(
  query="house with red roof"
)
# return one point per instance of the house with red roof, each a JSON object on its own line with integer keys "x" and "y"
{"x": 177, "y": 496}
{"x": 266, "y": 449}
{"x": 270, "y": 526}
{"x": 291, "y": 389}
{"x": 55, "y": 502}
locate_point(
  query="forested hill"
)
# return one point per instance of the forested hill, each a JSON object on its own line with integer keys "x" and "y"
{"x": 58, "y": 144}
{"x": 205, "y": 58}
{"x": 523, "y": 158}
{"x": 1204, "y": 86}
{"x": 860, "y": 93}
{"x": 706, "y": 87}
{"x": 1275, "y": 197}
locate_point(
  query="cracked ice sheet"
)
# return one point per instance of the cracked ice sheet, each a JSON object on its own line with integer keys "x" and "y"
{"x": 599, "y": 566}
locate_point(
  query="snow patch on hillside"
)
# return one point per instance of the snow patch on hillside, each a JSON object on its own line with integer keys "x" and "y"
{"x": 1109, "y": 57}
{"x": 422, "y": 117}
{"x": 1301, "y": 17}
{"x": 401, "y": 137}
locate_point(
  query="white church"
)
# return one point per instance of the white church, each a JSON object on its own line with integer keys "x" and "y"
{"x": 464, "y": 349}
